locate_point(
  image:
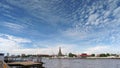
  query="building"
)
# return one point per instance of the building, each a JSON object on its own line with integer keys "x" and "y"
{"x": 1, "y": 56}
{"x": 84, "y": 55}
{"x": 60, "y": 52}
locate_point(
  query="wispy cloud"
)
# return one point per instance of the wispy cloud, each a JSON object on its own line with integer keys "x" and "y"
{"x": 93, "y": 19}
{"x": 15, "y": 39}
{"x": 13, "y": 26}
{"x": 84, "y": 22}
{"x": 43, "y": 10}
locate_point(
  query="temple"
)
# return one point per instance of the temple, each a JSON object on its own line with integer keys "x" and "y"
{"x": 60, "y": 53}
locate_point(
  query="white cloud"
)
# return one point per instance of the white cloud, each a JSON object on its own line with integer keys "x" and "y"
{"x": 15, "y": 39}
{"x": 51, "y": 50}
{"x": 98, "y": 49}
{"x": 107, "y": 13}
{"x": 44, "y": 11}
{"x": 15, "y": 45}
{"x": 32, "y": 51}
{"x": 93, "y": 19}
{"x": 10, "y": 43}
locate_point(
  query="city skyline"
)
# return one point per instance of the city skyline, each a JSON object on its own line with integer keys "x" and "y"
{"x": 42, "y": 26}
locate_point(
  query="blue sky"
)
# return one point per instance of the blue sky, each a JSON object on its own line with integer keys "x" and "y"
{"x": 42, "y": 26}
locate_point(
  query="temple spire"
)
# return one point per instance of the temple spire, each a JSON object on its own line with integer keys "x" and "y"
{"x": 60, "y": 53}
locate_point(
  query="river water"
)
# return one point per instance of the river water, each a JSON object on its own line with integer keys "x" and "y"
{"x": 81, "y": 63}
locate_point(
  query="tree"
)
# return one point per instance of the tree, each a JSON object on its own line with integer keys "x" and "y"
{"x": 108, "y": 54}
{"x": 93, "y": 55}
{"x": 71, "y": 55}
{"x": 103, "y": 55}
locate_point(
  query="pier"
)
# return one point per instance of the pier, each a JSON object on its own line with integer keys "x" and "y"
{"x": 20, "y": 62}
{"x": 25, "y": 65}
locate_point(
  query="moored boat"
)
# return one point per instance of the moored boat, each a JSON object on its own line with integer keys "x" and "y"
{"x": 2, "y": 63}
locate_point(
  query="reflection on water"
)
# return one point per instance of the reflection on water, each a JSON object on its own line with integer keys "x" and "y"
{"x": 82, "y": 63}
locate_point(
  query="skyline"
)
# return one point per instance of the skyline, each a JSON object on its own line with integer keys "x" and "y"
{"x": 42, "y": 26}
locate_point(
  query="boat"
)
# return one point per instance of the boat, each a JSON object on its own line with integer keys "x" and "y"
{"x": 2, "y": 63}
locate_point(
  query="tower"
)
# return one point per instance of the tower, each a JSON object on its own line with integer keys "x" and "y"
{"x": 60, "y": 53}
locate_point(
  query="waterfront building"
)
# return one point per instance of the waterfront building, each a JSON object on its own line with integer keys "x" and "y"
{"x": 84, "y": 55}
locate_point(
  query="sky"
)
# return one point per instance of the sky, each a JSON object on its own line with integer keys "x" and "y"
{"x": 42, "y": 26}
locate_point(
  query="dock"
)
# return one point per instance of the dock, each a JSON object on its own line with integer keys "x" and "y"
{"x": 3, "y": 64}
{"x": 25, "y": 65}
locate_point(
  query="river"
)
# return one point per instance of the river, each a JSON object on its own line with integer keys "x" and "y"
{"x": 81, "y": 63}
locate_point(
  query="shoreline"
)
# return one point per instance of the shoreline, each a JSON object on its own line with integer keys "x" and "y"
{"x": 85, "y": 58}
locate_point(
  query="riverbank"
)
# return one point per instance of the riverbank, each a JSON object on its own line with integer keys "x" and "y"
{"x": 84, "y": 58}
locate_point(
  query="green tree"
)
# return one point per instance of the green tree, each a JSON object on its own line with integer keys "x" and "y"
{"x": 71, "y": 55}
{"x": 93, "y": 55}
{"x": 108, "y": 54}
{"x": 103, "y": 55}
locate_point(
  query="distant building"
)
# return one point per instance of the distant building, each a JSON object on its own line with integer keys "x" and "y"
{"x": 1, "y": 56}
{"x": 23, "y": 55}
{"x": 60, "y": 52}
{"x": 84, "y": 55}
{"x": 8, "y": 55}
{"x": 43, "y": 55}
